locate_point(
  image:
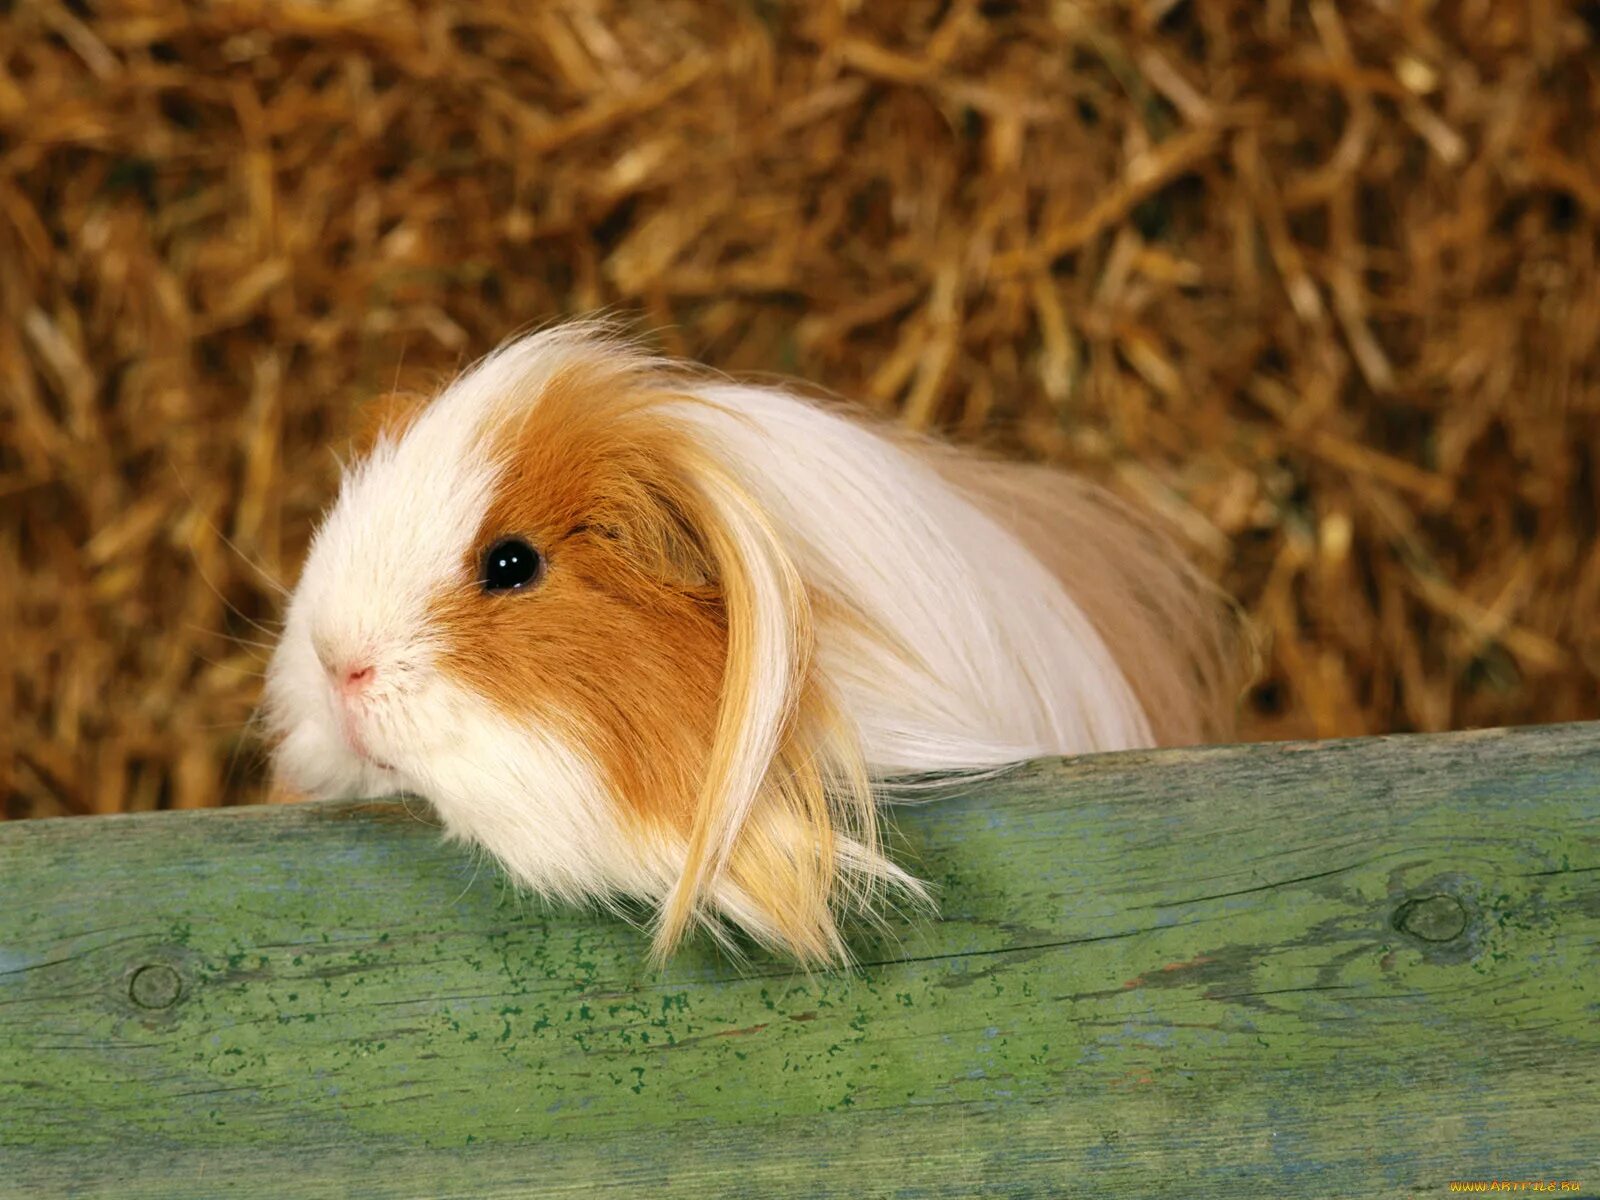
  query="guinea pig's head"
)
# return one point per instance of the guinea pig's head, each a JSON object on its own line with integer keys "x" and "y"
{"x": 542, "y": 603}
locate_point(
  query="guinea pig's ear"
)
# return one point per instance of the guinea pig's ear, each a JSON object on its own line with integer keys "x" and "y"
{"x": 785, "y": 806}
{"x": 385, "y": 418}
{"x": 663, "y": 538}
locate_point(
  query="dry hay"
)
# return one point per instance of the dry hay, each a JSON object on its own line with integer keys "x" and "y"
{"x": 1317, "y": 281}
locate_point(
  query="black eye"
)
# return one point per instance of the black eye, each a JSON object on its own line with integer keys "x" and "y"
{"x": 509, "y": 565}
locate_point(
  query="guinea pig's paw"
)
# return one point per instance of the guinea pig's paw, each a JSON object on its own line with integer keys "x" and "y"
{"x": 280, "y": 791}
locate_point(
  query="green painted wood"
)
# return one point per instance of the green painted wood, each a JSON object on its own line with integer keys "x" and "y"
{"x": 1359, "y": 968}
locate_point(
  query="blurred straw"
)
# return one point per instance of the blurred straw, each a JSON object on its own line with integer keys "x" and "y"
{"x": 1318, "y": 283}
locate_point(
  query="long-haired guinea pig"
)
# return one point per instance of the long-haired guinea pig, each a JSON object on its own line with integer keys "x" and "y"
{"x": 636, "y": 631}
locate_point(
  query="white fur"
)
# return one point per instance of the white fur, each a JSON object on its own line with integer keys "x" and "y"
{"x": 1003, "y": 664}
{"x": 1010, "y": 667}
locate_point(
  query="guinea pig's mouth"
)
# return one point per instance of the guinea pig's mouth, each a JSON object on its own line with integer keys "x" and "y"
{"x": 358, "y": 745}
{"x": 367, "y": 756}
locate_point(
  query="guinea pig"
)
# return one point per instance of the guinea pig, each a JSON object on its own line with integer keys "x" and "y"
{"x": 639, "y": 631}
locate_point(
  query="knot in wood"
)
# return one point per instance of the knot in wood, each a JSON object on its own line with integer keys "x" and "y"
{"x": 1437, "y": 918}
{"x": 155, "y": 985}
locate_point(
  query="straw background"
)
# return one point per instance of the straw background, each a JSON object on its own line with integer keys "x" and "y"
{"x": 1319, "y": 282}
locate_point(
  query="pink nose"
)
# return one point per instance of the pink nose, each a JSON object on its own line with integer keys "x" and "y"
{"x": 355, "y": 680}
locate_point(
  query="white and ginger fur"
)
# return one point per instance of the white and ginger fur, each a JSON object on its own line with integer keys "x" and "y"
{"x": 757, "y": 611}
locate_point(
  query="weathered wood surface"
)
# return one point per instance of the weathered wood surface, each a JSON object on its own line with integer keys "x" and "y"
{"x": 1350, "y": 969}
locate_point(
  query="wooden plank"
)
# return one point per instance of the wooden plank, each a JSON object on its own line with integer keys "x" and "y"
{"x": 1358, "y": 968}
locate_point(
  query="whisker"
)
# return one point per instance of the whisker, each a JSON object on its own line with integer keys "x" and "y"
{"x": 265, "y": 575}
{"x": 477, "y": 866}
{"x": 216, "y": 725}
{"x": 253, "y": 740}
{"x": 223, "y": 666}
{"x": 206, "y": 579}
{"x": 251, "y": 643}
{"x": 231, "y": 606}
{"x": 399, "y": 366}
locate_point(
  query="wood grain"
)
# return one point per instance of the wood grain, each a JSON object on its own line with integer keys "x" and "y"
{"x": 1361, "y": 968}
